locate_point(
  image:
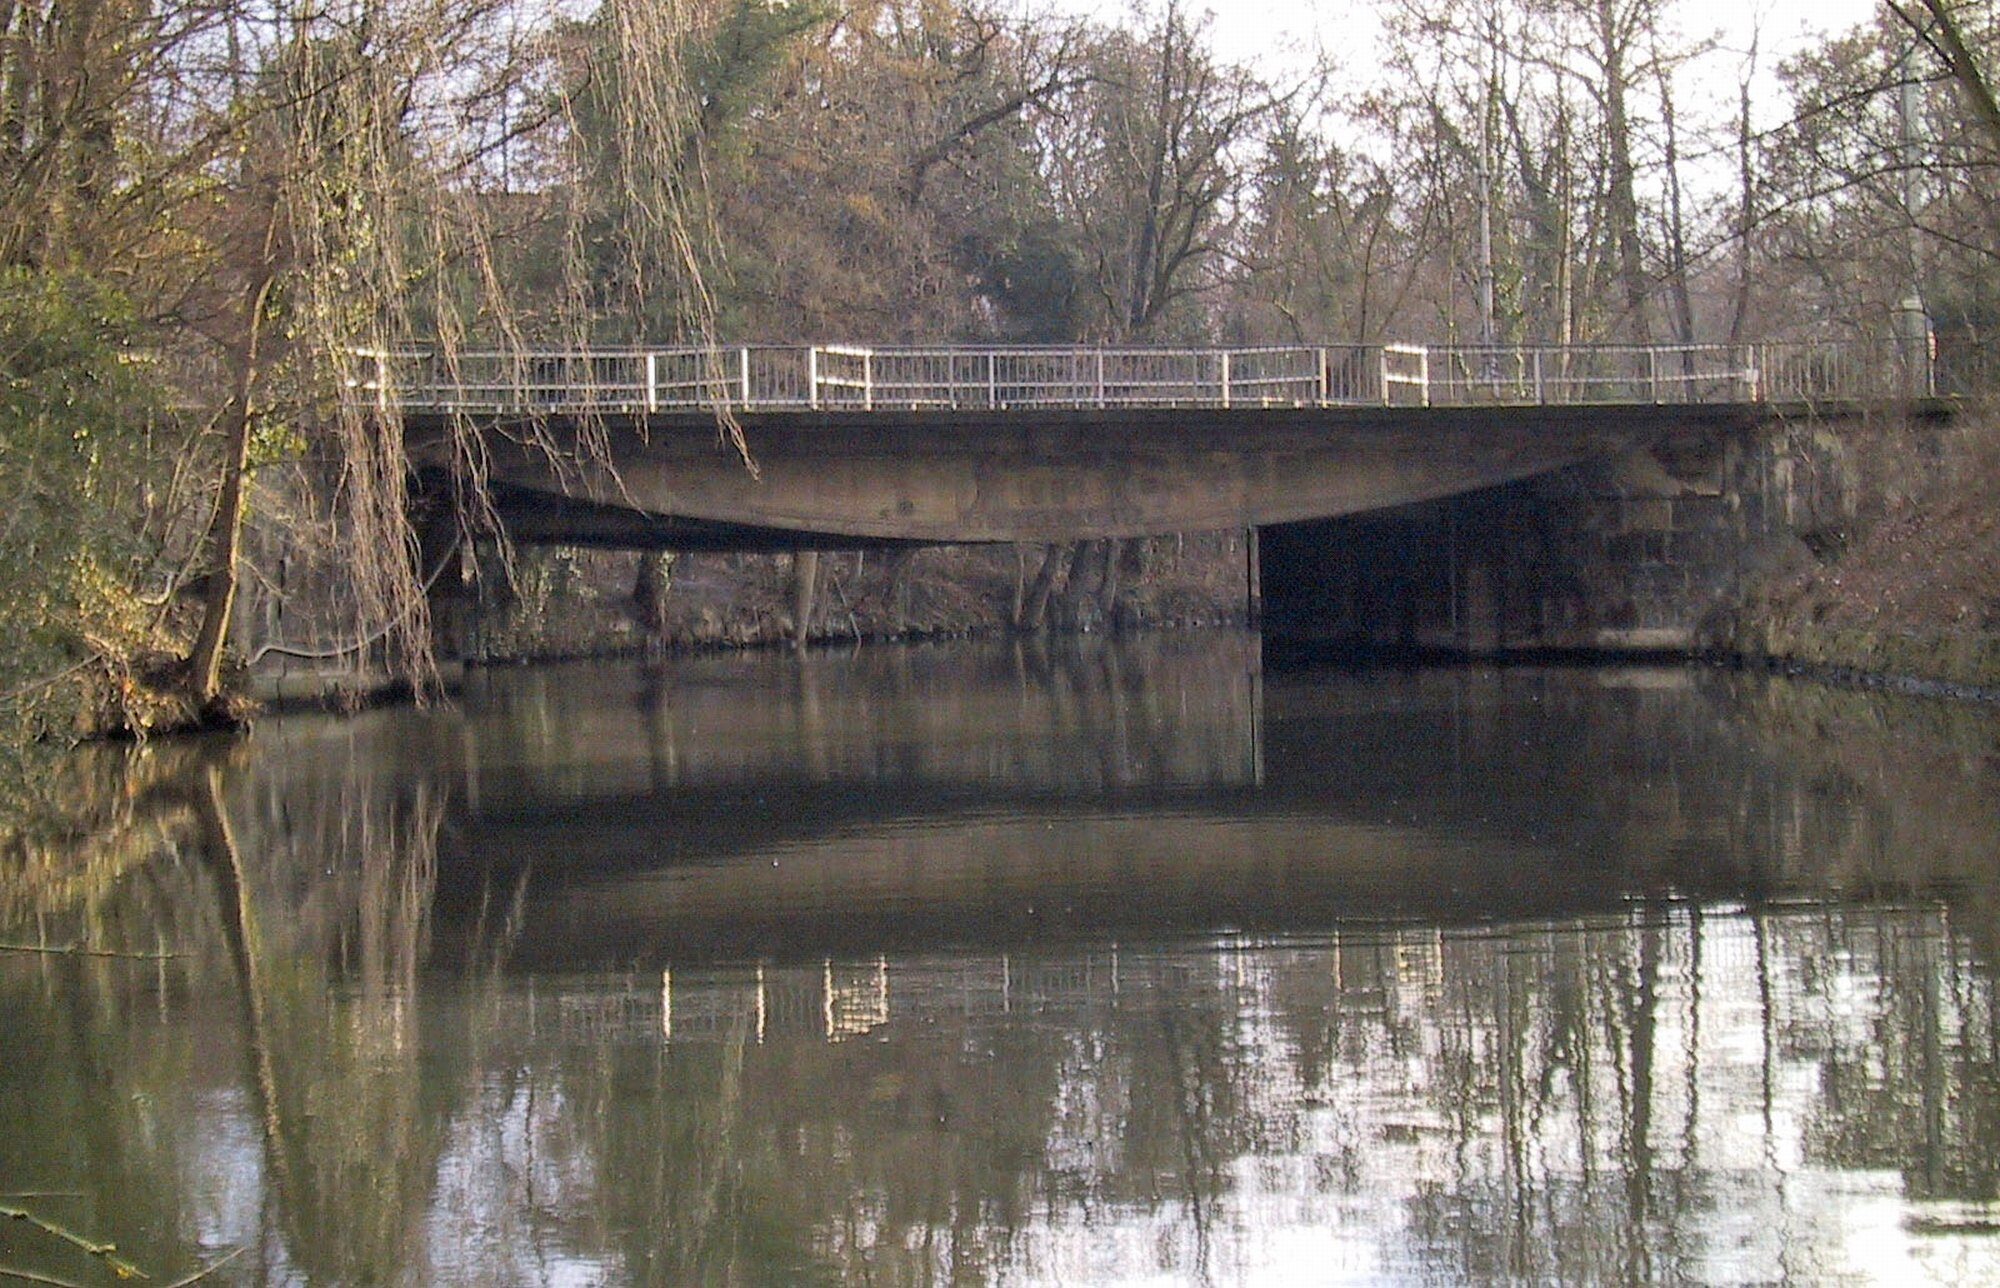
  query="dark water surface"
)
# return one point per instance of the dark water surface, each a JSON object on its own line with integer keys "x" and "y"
{"x": 1072, "y": 964}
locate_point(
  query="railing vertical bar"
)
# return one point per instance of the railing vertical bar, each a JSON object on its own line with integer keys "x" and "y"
{"x": 1225, "y": 378}
{"x": 812, "y": 377}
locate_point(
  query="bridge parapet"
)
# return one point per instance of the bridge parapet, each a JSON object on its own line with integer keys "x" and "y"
{"x": 751, "y": 378}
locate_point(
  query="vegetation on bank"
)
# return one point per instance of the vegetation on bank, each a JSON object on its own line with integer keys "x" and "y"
{"x": 1907, "y": 587}
{"x": 217, "y": 210}
{"x": 564, "y": 603}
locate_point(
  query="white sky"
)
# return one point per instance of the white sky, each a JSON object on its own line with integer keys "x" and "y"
{"x": 1272, "y": 34}
{"x": 1260, "y": 32}
{"x": 1281, "y": 37}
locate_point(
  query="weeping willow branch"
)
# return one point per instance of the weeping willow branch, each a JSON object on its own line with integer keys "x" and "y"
{"x": 207, "y": 1270}
{"x": 78, "y": 950}
{"x": 30, "y": 1277}
{"x": 401, "y": 241}
{"x": 105, "y": 1252}
{"x": 366, "y": 641}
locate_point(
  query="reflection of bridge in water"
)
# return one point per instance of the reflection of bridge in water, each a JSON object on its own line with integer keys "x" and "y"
{"x": 859, "y": 445}
{"x": 841, "y": 817}
{"x": 1383, "y": 968}
{"x": 839, "y": 1000}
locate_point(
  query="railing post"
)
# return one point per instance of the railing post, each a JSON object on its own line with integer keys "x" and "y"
{"x": 652, "y": 381}
{"x": 1914, "y": 354}
{"x": 992, "y": 382}
{"x": 1382, "y": 364}
{"x": 1325, "y": 394}
{"x": 743, "y": 371}
{"x": 1100, "y": 379}
{"x": 812, "y": 377}
{"x": 1424, "y": 371}
{"x": 1653, "y": 372}
{"x": 1541, "y": 394}
{"x": 1225, "y": 378}
{"x": 868, "y": 379}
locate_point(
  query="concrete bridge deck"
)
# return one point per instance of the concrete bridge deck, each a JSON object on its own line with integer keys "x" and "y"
{"x": 857, "y": 446}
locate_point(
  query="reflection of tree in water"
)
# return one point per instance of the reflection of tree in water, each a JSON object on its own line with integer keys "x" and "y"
{"x": 800, "y": 1159}
{"x": 1071, "y": 715}
{"x": 1601, "y": 1134}
{"x": 1916, "y": 1091}
{"x": 1612, "y": 1098}
{"x": 1645, "y": 1092}
{"x": 67, "y": 871}
{"x": 324, "y": 901}
{"x": 79, "y": 1122}
{"x": 311, "y": 909}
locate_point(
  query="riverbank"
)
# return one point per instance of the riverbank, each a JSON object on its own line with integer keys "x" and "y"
{"x": 1905, "y": 588}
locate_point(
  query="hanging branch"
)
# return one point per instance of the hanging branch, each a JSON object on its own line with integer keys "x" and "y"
{"x": 106, "y": 1252}
{"x": 78, "y": 950}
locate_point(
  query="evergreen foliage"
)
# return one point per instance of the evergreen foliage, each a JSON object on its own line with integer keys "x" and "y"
{"x": 75, "y": 408}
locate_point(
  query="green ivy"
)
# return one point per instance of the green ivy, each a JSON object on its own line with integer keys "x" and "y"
{"x": 73, "y": 398}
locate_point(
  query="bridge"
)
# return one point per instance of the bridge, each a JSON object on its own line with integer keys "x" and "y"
{"x": 856, "y": 446}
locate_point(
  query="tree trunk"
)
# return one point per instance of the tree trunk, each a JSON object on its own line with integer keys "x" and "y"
{"x": 1086, "y": 570}
{"x": 1958, "y": 59}
{"x": 897, "y": 569}
{"x": 1677, "y": 256}
{"x": 650, "y": 588}
{"x": 805, "y": 578}
{"x": 224, "y": 542}
{"x": 1622, "y": 198}
{"x": 1035, "y": 612}
{"x": 1746, "y": 219}
{"x": 1107, "y": 593}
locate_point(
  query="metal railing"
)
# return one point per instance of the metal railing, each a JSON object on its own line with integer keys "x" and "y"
{"x": 864, "y": 378}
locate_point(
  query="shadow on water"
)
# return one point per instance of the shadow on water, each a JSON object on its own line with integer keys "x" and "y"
{"x": 1050, "y": 964}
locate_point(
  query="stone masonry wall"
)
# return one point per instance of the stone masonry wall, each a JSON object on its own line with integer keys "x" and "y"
{"x": 1648, "y": 553}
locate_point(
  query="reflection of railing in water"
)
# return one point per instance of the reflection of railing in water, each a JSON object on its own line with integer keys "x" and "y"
{"x": 753, "y": 378}
{"x": 835, "y": 1000}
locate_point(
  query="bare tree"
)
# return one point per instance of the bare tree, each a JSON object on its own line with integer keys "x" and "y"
{"x": 1148, "y": 166}
{"x": 1939, "y": 26}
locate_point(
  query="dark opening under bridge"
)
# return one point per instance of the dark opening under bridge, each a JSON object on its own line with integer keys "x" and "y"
{"x": 857, "y": 446}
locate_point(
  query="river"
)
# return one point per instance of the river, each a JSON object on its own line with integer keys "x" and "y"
{"x": 1073, "y": 962}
